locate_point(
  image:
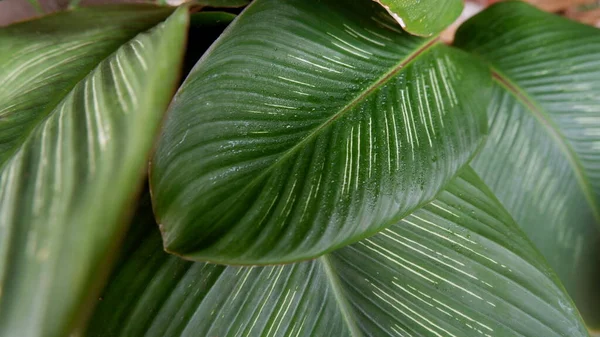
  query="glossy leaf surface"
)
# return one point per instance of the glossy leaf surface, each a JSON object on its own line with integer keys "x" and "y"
{"x": 34, "y": 65}
{"x": 542, "y": 158}
{"x": 296, "y": 136}
{"x": 457, "y": 267}
{"x": 423, "y": 17}
{"x": 82, "y": 99}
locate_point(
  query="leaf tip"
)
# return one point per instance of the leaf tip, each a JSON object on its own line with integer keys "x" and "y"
{"x": 393, "y": 14}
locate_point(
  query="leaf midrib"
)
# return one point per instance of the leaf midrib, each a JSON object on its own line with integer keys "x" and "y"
{"x": 422, "y": 49}
{"x": 51, "y": 106}
{"x": 345, "y": 309}
{"x": 545, "y": 120}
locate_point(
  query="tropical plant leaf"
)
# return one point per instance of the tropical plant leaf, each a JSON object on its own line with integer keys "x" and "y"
{"x": 83, "y": 97}
{"x": 457, "y": 267}
{"x": 34, "y": 64}
{"x": 296, "y": 136}
{"x": 542, "y": 158}
{"x": 423, "y": 17}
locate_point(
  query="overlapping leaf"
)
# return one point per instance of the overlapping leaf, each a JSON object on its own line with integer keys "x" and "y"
{"x": 41, "y": 60}
{"x": 81, "y": 98}
{"x": 310, "y": 125}
{"x": 542, "y": 158}
{"x": 423, "y": 17}
{"x": 458, "y": 267}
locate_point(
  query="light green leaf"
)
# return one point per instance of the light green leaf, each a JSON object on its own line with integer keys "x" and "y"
{"x": 82, "y": 99}
{"x": 423, "y": 17}
{"x": 542, "y": 158}
{"x": 458, "y": 267}
{"x": 43, "y": 59}
{"x": 297, "y": 136}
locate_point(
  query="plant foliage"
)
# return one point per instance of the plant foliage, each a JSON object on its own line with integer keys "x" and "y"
{"x": 288, "y": 140}
{"x": 320, "y": 171}
{"x": 78, "y": 120}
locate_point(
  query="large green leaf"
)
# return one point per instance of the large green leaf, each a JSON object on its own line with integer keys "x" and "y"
{"x": 458, "y": 267}
{"x": 82, "y": 97}
{"x": 297, "y": 135}
{"x": 423, "y": 17}
{"x": 542, "y": 158}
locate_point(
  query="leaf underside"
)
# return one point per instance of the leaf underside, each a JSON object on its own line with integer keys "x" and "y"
{"x": 457, "y": 267}
{"x": 83, "y": 99}
{"x": 542, "y": 158}
{"x": 296, "y": 136}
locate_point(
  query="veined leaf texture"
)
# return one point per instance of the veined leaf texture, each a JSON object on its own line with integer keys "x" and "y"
{"x": 542, "y": 158}
{"x": 83, "y": 94}
{"x": 459, "y": 266}
{"x": 308, "y": 126}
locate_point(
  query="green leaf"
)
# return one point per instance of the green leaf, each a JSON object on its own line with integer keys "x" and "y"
{"x": 423, "y": 17}
{"x": 297, "y": 136}
{"x": 542, "y": 158}
{"x": 84, "y": 95}
{"x": 44, "y": 59}
{"x": 457, "y": 267}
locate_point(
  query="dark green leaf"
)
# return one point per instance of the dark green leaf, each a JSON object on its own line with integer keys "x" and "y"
{"x": 311, "y": 124}
{"x": 82, "y": 97}
{"x": 542, "y": 158}
{"x": 459, "y": 267}
{"x": 423, "y": 17}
